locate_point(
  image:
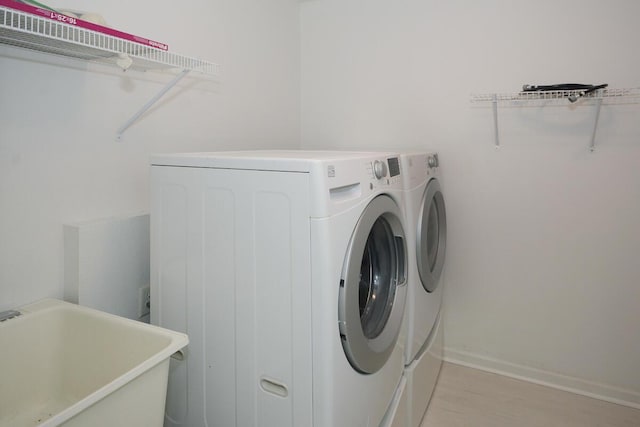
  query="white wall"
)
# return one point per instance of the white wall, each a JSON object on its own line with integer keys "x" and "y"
{"x": 59, "y": 161}
{"x": 542, "y": 277}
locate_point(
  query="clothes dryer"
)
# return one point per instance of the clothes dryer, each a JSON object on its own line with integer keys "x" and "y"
{"x": 426, "y": 241}
{"x": 287, "y": 269}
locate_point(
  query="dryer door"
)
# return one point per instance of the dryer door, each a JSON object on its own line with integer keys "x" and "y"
{"x": 372, "y": 288}
{"x": 431, "y": 236}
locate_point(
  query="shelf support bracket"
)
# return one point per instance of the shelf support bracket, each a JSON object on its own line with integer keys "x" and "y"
{"x": 149, "y": 104}
{"x": 592, "y": 146}
{"x": 494, "y": 103}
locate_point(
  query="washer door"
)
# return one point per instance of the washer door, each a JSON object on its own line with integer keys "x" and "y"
{"x": 372, "y": 287}
{"x": 431, "y": 238}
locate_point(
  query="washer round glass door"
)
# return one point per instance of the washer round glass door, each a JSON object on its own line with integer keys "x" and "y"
{"x": 372, "y": 288}
{"x": 431, "y": 236}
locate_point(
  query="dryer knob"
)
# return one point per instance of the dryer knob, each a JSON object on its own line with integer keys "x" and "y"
{"x": 379, "y": 169}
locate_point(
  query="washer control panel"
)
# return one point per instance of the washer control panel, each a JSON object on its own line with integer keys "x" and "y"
{"x": 385, "y": 171}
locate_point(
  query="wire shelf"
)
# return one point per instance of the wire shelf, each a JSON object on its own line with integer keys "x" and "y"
{"x": 596, "y": 99}
{"x": 560, "y": 97}
{"x": 29, "y": 31}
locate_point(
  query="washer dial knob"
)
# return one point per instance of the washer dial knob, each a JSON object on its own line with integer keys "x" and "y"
{"x": 379, "y": 169}
{"x": 433, "y": 161}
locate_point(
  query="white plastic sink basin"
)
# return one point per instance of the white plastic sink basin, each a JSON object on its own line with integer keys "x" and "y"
{"x": 62, "y": 364}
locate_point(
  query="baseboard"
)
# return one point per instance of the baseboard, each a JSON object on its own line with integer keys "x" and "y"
{"x": 550, "y": 379}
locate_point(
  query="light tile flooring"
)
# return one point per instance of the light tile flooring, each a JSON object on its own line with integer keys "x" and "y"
{"x": 472, "y": 398}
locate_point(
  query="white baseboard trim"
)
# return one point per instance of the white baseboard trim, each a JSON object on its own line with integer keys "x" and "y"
{"x": 595, "y": 390}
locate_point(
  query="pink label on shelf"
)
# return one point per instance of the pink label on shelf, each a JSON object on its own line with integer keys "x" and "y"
{"x": 69, "y": 20}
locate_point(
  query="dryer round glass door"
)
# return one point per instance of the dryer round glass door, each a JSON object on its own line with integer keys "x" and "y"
{"x": 372, "y": 287}
{"x": 431, "y": 236}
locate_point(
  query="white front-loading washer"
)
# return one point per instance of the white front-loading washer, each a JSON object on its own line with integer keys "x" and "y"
{"x": 288, "y": 271}
{"x": 426, "y": 241}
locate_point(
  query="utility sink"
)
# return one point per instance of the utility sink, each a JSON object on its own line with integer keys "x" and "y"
{"x": 63, "y": 364}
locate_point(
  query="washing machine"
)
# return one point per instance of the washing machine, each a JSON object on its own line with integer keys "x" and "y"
{"x": 426, "y": 241}
{"x": 288, "y": 271}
